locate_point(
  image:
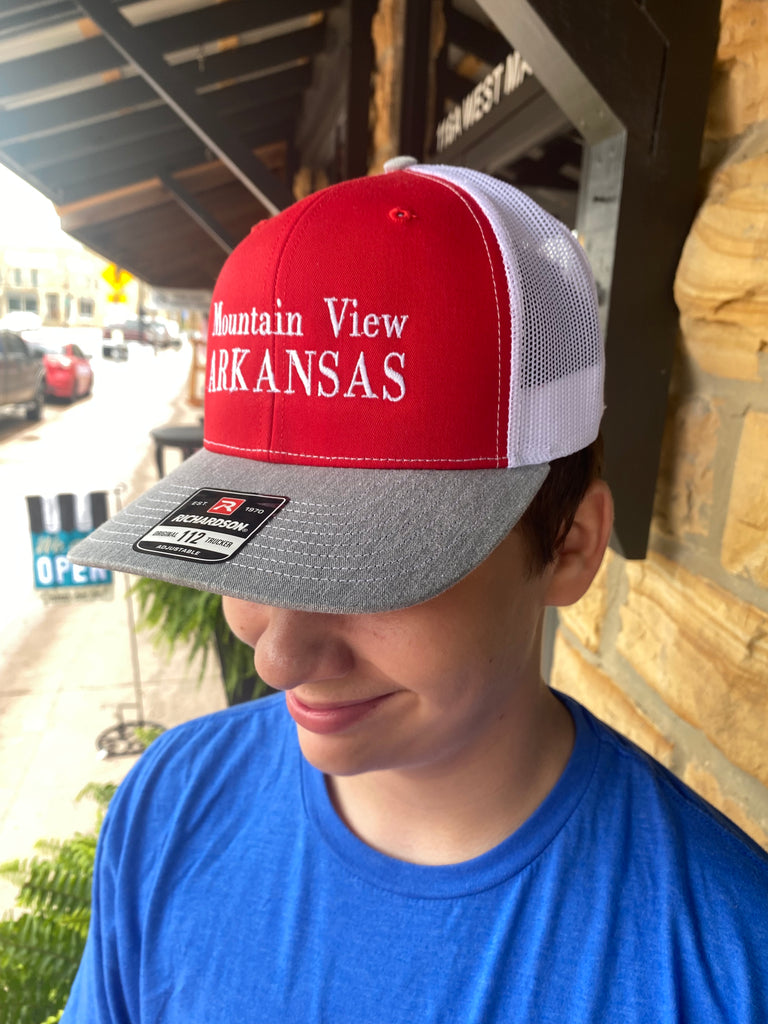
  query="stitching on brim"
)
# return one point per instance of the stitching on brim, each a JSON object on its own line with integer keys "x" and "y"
{"x": 272, "y": 572}
{"x": 259, "y": 554}
{"x": 285, "y": 518}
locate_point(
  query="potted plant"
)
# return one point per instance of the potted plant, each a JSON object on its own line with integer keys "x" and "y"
{"x": 179, "y": 615}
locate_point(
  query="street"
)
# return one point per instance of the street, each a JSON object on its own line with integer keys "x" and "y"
{"x": 69, "y": 669}
{"x": 93, "y": 444}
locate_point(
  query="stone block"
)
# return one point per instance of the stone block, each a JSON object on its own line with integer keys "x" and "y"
{"x": 739, "y": 96}
{"x": 572, "y": 674}
{"x": 745, "y": 538}
{"x": 705, "y": 652}
{"x": 684, "y": 491}
{"x": 721, "y": 285}
{"x": 708, "y": 787}
{"x": 585, "y": 619}
{"x": 724, "y": 350}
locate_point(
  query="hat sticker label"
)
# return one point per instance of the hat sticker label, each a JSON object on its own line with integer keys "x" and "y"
{"x": 211, "y": 525}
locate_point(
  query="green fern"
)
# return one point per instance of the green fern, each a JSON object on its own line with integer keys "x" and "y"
{"x": 102, "y": 792}
{"x": 42, "y": 939}
{"x": 38, "y": 961}
{"x": 178, "y": 615}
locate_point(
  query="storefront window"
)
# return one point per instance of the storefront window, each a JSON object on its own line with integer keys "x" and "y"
{"x": 26, "y": 303}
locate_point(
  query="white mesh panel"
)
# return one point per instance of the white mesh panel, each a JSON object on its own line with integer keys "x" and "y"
{"x": 556, "y": 382}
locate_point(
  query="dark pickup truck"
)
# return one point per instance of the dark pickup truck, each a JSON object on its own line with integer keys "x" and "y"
{"x": 22, "y": 376}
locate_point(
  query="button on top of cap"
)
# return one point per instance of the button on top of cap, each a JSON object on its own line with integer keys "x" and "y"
{"x": 399, "y": 163}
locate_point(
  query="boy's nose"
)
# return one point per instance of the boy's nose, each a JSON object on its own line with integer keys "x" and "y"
{"x": 300, "y": 647}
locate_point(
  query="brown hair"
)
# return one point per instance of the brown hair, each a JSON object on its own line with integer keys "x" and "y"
{"x": 547, "y": 520}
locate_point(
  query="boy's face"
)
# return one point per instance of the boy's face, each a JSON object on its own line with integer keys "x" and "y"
{"x": 419, "y": 690}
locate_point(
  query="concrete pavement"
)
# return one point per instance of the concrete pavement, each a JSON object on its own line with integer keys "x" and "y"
{"x": 66, "y": 673}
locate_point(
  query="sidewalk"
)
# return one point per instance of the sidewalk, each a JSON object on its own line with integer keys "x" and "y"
{"x": 64, "y": 684}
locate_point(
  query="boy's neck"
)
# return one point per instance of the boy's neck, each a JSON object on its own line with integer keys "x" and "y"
{"x": 452, "y": 814}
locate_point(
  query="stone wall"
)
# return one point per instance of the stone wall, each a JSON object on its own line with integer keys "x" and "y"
{"x": 673, "y": 651}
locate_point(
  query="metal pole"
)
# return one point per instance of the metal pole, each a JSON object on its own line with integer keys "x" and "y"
{"x": 131, "y": 626}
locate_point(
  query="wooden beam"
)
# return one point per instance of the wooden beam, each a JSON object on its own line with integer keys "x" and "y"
{"x": 87, "y": 105}
{"x": 259, "y": 98}
{"x": 190, "y": 107}
{"x": 153, "y": 154}
{"x": 416, "y": 61}
{"x": 176, "y": 157}
{"x": 192, "y": 207}
{"x": 108, "y": 208}
{"x": 359, "y": 71}
{"x": 193, "y": 28}
{"x": 474, "y": 38}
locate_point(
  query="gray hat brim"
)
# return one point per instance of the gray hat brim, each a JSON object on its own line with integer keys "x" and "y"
{"x": 347, "y": 541}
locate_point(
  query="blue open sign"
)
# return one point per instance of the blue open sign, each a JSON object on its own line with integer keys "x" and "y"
{"x": 52, "y": 565}
{"x": 56, "y": 524}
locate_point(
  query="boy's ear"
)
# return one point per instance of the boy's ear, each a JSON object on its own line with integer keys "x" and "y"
{"x": 582, "y": 550}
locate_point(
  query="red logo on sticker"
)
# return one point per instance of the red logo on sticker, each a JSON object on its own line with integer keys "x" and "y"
{"x": 227, "y": 505}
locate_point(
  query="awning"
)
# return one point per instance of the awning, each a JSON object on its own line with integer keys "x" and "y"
{"x": 163, "y": 130}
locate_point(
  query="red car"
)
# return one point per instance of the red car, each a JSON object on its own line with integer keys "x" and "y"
{"x": 68, "y": 370}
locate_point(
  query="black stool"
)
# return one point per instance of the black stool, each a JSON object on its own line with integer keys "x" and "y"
{"x": 188, "y": 438}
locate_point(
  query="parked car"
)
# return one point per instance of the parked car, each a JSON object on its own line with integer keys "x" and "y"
{"x": 68, "y": 370}
{"x": 170, "y": 333}
{"x": 144, "y": 329}
{"x": 128, "y": 330}
{"x": 22, "y": 376}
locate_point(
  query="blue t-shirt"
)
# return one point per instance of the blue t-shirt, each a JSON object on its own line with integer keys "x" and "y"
{"x": 227, "y": 891}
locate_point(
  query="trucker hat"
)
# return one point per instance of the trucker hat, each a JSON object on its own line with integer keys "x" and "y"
{"x": 392, "y": 363}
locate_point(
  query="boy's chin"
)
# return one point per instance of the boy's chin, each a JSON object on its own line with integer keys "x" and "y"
{"x": 335, "y": 755}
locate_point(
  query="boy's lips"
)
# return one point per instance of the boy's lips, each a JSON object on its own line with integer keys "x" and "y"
{"x": 329, "y": 717}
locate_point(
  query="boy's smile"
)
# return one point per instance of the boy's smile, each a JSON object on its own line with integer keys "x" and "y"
{"x": 325, "y": 718}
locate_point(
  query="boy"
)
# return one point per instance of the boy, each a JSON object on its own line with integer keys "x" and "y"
{"x": 401, "y": 472}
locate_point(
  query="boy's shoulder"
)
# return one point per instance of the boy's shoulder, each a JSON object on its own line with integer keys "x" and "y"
{"x": 671, "y": 818}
